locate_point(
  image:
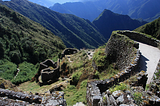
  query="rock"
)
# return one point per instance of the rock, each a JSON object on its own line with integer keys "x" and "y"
{"x": 79, "y": 104}
{"x": 116, "y": 94}
{"x": 112, "y": 100}
{"x": 120, "y": 99}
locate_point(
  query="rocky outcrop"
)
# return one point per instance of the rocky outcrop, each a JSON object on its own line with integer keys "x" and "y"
{"x": 12, "y": 98}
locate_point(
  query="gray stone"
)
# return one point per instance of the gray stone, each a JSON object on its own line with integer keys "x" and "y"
{"x": 120, "y": 99}
{"x": 116, "y": 94}
{"x": 112, "y": 100}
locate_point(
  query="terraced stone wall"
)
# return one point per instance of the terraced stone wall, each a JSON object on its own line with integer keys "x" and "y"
{"x": 141, "y": 38}
{"x": 11, "y": 98}
{"x": 96, "y": 88}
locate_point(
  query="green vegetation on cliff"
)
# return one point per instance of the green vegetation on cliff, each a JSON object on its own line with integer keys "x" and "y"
{"x": 152, "y": 28}
{"x": 24, "y": 42}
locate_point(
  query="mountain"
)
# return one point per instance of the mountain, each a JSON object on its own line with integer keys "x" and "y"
{"x": 22, "y": 39}
{"x": 74, "y": 31}
{"x": 45, "y": 3}
{"x": 147, "y": 10}
{"x": 86, "y": 10}
{"x": 152, "y": 28}
{"x": 109, "y": 21}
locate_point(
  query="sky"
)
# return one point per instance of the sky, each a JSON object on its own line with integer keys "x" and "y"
{"x": 49, "y": 3}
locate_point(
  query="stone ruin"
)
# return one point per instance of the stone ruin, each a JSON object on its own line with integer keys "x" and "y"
{"x": 95, "y": 89}
{"x": 98, "y": 93}
{"x": 140, "y": 38}
{"x": 12, "y": 98}
{"x": 69, "y": 51}
{"x": 49, "y": 71}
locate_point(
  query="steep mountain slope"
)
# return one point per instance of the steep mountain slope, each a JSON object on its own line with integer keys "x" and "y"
{"x": 22, "y": 39}
{"x": 109, "y": 21}
{"x": 152, "y": 28}
{"x": 74, "y": 31}
{"x": 145, "y": 9}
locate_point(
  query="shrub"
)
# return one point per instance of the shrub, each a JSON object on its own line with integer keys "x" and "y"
{"x": 137, "y": 97}
{"x": 75, "y": 77}
{"x": 121, "y": 87}
{"x": 8, "y": 70}
{"x": 27, "y": 71}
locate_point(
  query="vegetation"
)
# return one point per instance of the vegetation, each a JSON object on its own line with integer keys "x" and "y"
{"x": 152, "y": 28}
{"x": 138, "y": 97}
{"x": 74, "y": 95}
{"x": 121, "y": 86}
{"x": 23, "y": 44}
{"x": 26, "y": 73}
{"x": 100, "y": 57}
{"x": 24, "y": 40}
{"x": 74, "y": 31}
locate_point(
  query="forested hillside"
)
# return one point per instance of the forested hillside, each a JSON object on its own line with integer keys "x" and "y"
{"x": 23, "y": 44}
{"x": 152, "y": 28}
{"x": 74, "y": 31}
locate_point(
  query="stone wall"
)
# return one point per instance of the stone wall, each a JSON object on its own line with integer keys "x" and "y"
{"x": 120, "y": 50}
{"x": 69, "y": 51}
{"x": 141, "y": 38}
{"x": 96, "y": 88}
{"x": 48, "y": 70}
{"x": 97, "y": 91}
{"x": 12, "y": 98}
{"x": 20, "y": 96}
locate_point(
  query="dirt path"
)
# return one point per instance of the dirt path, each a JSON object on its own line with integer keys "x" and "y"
{"x": 149, "y": 59}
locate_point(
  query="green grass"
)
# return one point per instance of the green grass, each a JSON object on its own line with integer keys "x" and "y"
{"x": 73, "y": 95}
{"x": 137, "y": 97}
{"x": 121, "y": 86}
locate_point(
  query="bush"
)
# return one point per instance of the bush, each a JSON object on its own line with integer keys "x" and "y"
{"x": 137, "y": 97}
{"x": 121, "y": 87}
{"x": 8, "y": 70}
{"x": 83, "y": 84}
{"x": 75, "y": 77}
{"x": 27, "y": 71}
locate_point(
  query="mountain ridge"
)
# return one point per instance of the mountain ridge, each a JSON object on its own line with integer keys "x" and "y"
{"x": 74, "y": 31}
{"x": 109, "y": 21}
{"x": 147, "y": 10}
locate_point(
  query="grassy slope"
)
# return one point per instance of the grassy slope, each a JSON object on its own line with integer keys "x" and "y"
{"x": 152, "y": 28}
{"x": 74, "y": 31}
